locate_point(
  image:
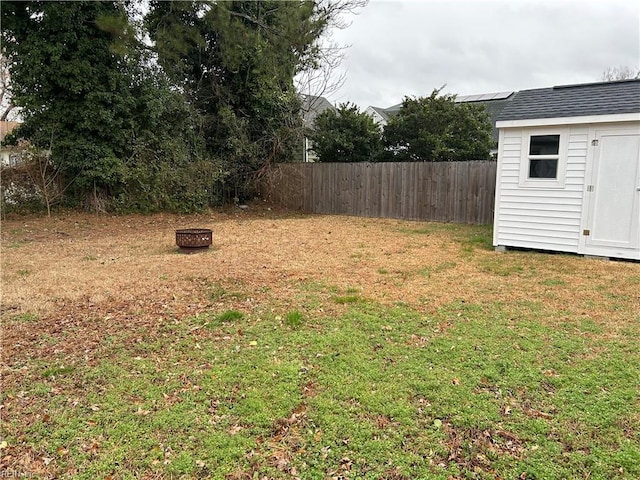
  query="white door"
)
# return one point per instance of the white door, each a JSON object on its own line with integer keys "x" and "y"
{"x": 614, "y": 192}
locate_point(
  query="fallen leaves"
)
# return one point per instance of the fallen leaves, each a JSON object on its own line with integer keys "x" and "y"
{"x": 472, "y": 448}
{"x": 234, "y": 429}
{"x": 142, "y": 412}
{"x": 532, "y": 412}
{"x": 93, "y": 447}
{"x": 62, "y": 452}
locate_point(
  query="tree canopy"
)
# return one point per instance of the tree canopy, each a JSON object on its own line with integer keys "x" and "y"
{"x": 436, "y": 128}
{"x": 75, "y": 95}
{"x": 346, "y": 135}
{"x": 185, "y": 121}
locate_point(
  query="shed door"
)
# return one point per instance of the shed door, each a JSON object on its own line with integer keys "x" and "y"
{"x": 614, "y": 206}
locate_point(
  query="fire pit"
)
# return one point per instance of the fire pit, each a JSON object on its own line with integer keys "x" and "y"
{"x": 192, "y": 240}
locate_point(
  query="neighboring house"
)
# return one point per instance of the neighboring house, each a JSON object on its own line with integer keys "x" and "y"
{"x": 8, "y": 154}
{"x": 568, "y": 172}
{"x": 493, "y": 102}
{"x": 312, "y": 106}
{"x": 380, "y": 115}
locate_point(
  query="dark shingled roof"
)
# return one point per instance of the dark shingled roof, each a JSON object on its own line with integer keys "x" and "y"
{"x": 574, "y": 101}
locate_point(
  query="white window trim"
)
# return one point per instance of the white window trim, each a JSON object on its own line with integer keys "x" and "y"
{"x": 561, "y": 173}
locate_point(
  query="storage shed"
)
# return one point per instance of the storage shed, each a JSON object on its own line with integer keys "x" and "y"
{"x": 568, "y": 173}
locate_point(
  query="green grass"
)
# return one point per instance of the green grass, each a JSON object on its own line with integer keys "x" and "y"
{"x": 441, "y": 267}
{"x": 470, "y": 237}
{"x": 218, "y": 292}
{"x": 57, "y": 371}
{"x": 552, "y": 282}
{"x": 342, "y": 299}
{"x": 25, "y": 317}
{"x": 378, "y": 392}
{"x": 229, "y": 316}
{"x": 293, "y": 319}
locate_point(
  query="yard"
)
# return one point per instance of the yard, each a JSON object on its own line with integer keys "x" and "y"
{"x": 311, "y": 347}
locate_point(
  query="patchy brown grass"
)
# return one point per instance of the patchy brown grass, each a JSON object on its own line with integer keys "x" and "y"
{"x": 73, "y": 266}
{"x": 79, "y": 278}
{"x": 75, "y": 261}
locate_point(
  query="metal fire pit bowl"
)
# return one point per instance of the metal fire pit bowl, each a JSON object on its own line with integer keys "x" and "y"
{"x": 192, "y": 240}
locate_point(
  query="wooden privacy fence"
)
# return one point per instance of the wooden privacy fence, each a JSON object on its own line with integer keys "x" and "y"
{"x": 460, "y": 192}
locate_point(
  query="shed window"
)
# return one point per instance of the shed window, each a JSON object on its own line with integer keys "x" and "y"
{"x": 543, "y": 168}
{"x": 544, "y": 145}
{"x": 544, "y": 156}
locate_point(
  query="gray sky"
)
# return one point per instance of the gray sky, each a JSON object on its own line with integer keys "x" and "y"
{"x": 409, "y": 47}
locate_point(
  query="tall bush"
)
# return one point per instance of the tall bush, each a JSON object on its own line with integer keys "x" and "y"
{"x": 346, "y": 135}
{"x": 436, "y": 128}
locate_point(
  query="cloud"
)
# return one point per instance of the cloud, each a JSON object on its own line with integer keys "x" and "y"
{"x": 401, "y": 48}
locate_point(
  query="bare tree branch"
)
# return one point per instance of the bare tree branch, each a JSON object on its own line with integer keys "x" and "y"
{"x": 612, "y": 74}
{"x": 6, "y": 105}
{"x": 318, "y": 78}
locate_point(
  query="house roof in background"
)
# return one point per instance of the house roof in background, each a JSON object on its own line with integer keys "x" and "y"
{"x": 392, "y": 110}
{"x": 483, "y": 97}
{"x": 312, "y": 106}
{"x": 381, "y": 111}
{"x": 604, "y": 98}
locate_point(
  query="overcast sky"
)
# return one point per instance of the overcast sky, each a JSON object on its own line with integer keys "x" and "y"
{"x": 409, "y": 47}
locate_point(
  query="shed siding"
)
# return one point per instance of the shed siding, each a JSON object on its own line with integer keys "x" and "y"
{"x": 544, "y": 218}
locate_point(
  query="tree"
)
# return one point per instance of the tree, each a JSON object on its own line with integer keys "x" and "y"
{"x": 71, "y": 87}
{"x": 214, "y": 92}
{"x": 346, "y": 135}
{"x": 236, "y": 62}
{"x": 620, "y": 73}
{"x": 168, "y": 168}
{"x": 6, "y": 103}
{"x": 43, "y": 176}
{"x": 318, "y": 77}
{"x": 91, "y": 95}
{"x": 436, "y": 128}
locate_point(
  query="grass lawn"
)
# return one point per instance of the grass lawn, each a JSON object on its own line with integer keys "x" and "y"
{"x": 311, "y": 347}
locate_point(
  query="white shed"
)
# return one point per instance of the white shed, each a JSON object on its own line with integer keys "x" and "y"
{"x": 568, "y": 173}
